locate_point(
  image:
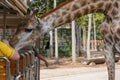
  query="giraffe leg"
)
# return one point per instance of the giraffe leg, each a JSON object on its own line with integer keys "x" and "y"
{"x": 110, "y": 61}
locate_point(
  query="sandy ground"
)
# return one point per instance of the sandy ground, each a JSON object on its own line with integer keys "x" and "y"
{"x": 76, "y": 74}
{"x": 66, "y": 70}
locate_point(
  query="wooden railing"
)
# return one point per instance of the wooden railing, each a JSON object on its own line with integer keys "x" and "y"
{"x": 24, "y": 69}
{"x": 96, "y": 45}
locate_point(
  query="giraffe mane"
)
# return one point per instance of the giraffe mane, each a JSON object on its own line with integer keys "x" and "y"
{"x": 58, "y": 7}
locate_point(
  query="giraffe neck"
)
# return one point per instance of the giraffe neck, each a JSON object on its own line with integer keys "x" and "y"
{"x": 77, "y": 8}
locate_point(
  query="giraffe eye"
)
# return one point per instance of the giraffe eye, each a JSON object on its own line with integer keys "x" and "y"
{"x": 28, "y": 30}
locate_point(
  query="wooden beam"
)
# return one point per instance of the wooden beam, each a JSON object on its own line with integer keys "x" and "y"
{"x": 11, "y": 21}
{"x": 4, "y": 23}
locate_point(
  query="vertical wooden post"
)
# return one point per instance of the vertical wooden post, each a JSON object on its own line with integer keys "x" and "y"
{"x": 51, "y": 39}
{"x": 56, "y": 47}
{"x": 89, "y": 31}
{"x": 95, "y": 45}
{"x": 78, "y": 36}
{"x": 4, "y": 24}
{"x": 56, "y": 41}
{"x": 73, "y": 42}
{"x": 84, "y": 38}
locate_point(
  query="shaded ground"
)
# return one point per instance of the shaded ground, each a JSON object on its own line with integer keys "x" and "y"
{"x": 67, "y": 63}
{"x": 66, "y": 70}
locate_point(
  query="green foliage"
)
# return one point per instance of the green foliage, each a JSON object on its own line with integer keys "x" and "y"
{"x": 64, "y": 42}
{"x": 40, "y": 5}
{"x": 98, "y": 17}
{"x": 43, "y": 52}
{"x": 83, "y": 21}
{"x": 64, "y": 51}
{"x": 60, "y": 1}
{"x": 44, "y": 5}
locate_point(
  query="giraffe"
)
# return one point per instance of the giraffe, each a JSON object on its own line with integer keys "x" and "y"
{"x": 27, "y": 31}
{"x": 70, "y": 10}
{"x": 110, "y": 28}
{"x": 25, "y": 36}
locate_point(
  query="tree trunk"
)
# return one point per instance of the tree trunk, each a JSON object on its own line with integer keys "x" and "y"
{"x": 47, "y": 6}
{"x": 95, "y": 45}
{"x": 78, "y": 33}
{"x": 89, "y": 30}
{"x": 51, "y": 34}
{"x": 56, "y": 41}
{"x": 56, "y": 47}
{"x": 84, "y": 38}
{"x": 73, "y": 42}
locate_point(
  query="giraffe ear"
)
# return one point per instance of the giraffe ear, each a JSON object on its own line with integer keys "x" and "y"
{"x": 35, "y": 11}
{"x": 28, "y": 11}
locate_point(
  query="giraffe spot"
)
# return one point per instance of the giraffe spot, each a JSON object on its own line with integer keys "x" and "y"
{"x": 64, "y": 13}
{"x": 114, "y": 12}
{"x": 108, "y": 6}
{"x": 103, "y": 30}
{"x": 92, "y": 8}
{"x": 94, "y": 1}
{"x": 60, "y": 20}
{"x": 117, "y": 18}
{"x": 108, "y": 19}
{"x": 118, "y": 31}
{"x": 83, "y": 2}
{"x": 107, "y": 41}
{"x": 113, "y": 28}
{"x": 77, "y": 14}
{"x": 100, "y": 5}
{"x": 86, "y": 10}
{"x": 74, "y": 7}
{"x": 53, "y": 23}
{"x": 116, "y": 38}
{"x": 67, "y": 8}
{"x": 67, "y": 18}
{"x": 116, "y": 5}
{"x": 99, "y": 10}
{"x": 110, "y": 38}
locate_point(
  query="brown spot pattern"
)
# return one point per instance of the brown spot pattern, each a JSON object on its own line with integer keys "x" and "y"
{"x": 114, "y": 12}
{"x": 74, "y": 7}
{"x": 108, "y": 6}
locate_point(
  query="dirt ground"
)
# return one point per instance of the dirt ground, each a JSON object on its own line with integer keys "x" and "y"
{"x": 66, "y": 70}
{"x": 67, "y": 63}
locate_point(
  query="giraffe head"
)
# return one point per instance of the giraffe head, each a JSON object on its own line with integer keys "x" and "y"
{"x": 27, "y": 31}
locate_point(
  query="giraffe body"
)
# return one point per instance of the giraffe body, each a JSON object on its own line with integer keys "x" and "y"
{"x": 70, "y": 10}
{"x": 110, "y": 28}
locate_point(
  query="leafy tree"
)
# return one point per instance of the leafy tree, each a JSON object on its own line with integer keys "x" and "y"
{"x": 99, "y": 17}
{"x": 83, "y": 21}
{"x": 42, "y": 5}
